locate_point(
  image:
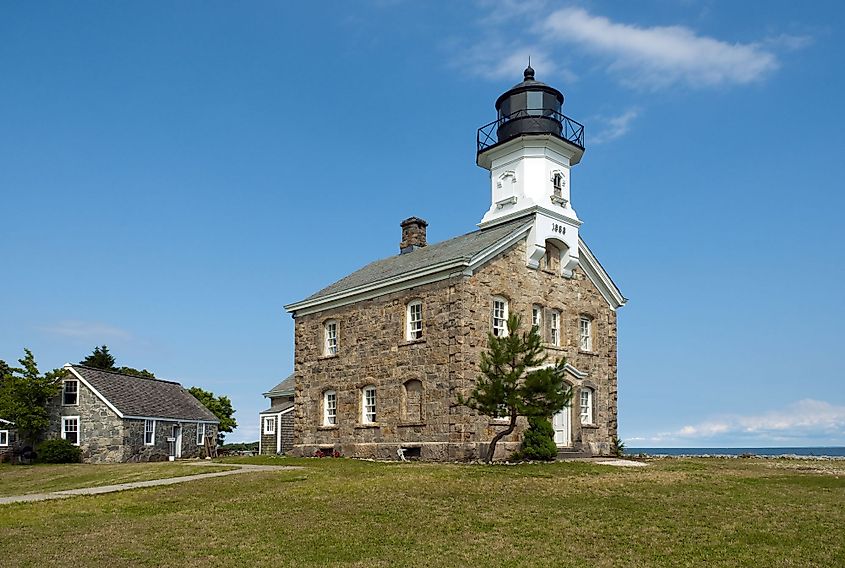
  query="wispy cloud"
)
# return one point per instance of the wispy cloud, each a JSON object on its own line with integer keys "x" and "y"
{"x": 86, "y": 330}
{"x": 660, "y": 56}
{"x": 613, "y": 127}
{"x": 805, "y": 421}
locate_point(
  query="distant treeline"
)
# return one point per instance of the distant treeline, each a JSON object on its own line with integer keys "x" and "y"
{"x": 241, "y": 447}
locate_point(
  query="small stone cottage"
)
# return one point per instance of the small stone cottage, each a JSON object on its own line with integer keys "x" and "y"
{"x": 114, "y": 417}
{"x": 276, "y": 422}
{"x": 8, "y": 439}
{"x": 382, "y": 355}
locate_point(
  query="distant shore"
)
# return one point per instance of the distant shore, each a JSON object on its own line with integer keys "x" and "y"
{"x": 823, "y": 452}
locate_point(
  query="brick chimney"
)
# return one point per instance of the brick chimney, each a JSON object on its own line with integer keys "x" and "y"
{"x": 413, "y": 234}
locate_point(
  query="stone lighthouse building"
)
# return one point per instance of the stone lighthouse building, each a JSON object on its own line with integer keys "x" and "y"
{"x": 382, "y": 354}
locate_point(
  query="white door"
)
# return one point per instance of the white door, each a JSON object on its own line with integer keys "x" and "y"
{"x": 177, "y": 435}
{"x": 562, "y": 424}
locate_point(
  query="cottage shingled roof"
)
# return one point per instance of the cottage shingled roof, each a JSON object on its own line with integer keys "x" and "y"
{"x": 283, "y": 388}
{"x": 278, "y": 407}
{"x": 464, "y": 247}
{"x": 141, "y": 396}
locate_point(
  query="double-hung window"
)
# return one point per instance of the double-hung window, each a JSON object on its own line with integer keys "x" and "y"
{"x": 270, "y": 425}
{"x": 554, "y": 328}
{"x": 329, "y": 408}
{"x": 537, "y": 318}
{"x": 414, "y": 318}
{"x": 330, "y": 333}
{"x": 149, "y": 432}
{"x": 586, "y": 327}
{"x": 70, "y": 429}
{"x": 500, "y": 317}
{"x": 586, "y": 405}
{"x": 70, "y": 393}
{"x": 369, "y": 405}
{"x": 200, "y": 433}
{"x": 4, "y": 438}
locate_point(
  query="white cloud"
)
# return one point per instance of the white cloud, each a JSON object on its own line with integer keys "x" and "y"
{"x": 85, "y": 330}
{"x": 661, "y": 56}
{"x": 806, "y": 421}
{"x": 613, "y": 127}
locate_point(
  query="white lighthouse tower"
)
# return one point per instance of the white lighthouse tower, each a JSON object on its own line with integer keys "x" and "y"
{"x": 529, "y": 150}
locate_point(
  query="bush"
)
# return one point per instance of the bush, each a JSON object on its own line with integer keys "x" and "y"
{"x": 538, "y": 442}
{"x": 59, "y": 451}
{"x": 617, "y": 447}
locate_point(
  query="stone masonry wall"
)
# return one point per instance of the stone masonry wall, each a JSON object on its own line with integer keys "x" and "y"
{"x": 135, "y": 450}
{"x": 100, "y": 429}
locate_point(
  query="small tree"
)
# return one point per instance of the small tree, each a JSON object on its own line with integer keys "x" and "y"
{"x": 513, "y": 381}
{"x": 221, "y": 407}
{"x": 24, "y": 394}
{"x": 99, "y": 359}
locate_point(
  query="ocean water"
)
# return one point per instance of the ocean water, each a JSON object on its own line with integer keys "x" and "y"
{"x": 819, "y": 451}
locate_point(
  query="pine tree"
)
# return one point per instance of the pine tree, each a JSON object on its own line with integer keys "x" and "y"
{"x": 513, "y": 381}
{"x": 99, "y": 359}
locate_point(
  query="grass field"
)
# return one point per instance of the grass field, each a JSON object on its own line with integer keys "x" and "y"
{"x": 676, "y": 512}
{"x": 22, "y": 479}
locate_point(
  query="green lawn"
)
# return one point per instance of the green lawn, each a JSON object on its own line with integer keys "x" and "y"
{"x": 689, "y": 512}
{"x": 25, "y": 479}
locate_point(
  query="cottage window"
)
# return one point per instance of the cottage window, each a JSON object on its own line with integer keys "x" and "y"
{"x": 70, "y": 429}
{"x": 149, "y": 432}
{"x": 200, "y": 433}
{"x": 330, "y": 333}
{"x": 270, "y": 425}
{"x": 537, "y": 317}
{"x": 414, "y": 328}
{"x": 500, "y": 317}
{"x": 329, "y": 408}
{"x": 70, "y": 393}
{"x": 586, "y": 405}
{"x": 554, "y": 327}
{"x": 586, "y": 327}
{"x": 4, "y": 437}
{"x": 368, "y": 400}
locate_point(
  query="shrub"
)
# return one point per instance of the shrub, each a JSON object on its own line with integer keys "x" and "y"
{"x": 617, "y": 447}
{"x": 59, "y": 451}
{"x": 538, "y": 441}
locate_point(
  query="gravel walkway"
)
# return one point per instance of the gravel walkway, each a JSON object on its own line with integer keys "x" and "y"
{"x": 241, "y": 468}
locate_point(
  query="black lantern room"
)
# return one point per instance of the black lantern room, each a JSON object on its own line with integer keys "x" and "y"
{"x": 530, "y": 107}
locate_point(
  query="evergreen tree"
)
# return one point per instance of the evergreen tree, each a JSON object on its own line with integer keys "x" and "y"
{"x": 99, "y": 359}
{"x": 24, "y": 394}
{"x": 513, "y": 381}
{"x": 220, "y": 406}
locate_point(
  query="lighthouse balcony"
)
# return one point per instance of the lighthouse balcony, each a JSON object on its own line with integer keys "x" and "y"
{"x": 530, "y": 121}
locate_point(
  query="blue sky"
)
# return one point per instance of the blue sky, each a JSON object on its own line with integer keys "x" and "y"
{"x": 172, "y": 174}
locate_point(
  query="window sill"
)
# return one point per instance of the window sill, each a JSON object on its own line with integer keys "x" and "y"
{"x": 408, "y": 342}
{"x": 410, "y": 424}
{"x": 322, "y": 357}
{"x": 591, "y": 353}
{"x": 327, "y": 427}
{"x": 74, "y": 404}
{"x": 590, "y": 426}
{"x": 554, "y": 347}
{"x": 365, "y": 426}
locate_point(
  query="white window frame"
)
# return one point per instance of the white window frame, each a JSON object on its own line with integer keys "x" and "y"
{"x": 269, "y": 425}
{"x": 152, "y": 432}
{"x": 537, "y": 317}
{"x": 585, "y": 327}
{"x": 330, "y": 408}
{"x": 554, "y": 328}
{"x": 65, "y": 420}
{"x": 331, "y": 339}
{"x": 200, "y": 433}
{"x": 499, "y": 317}
{"x": 64, "y": 390}
{"x": 586, "y": 403}
{"x": 4, "y": 438}
{"x": 414, "y": 321}
{"x": 369, "y": 404}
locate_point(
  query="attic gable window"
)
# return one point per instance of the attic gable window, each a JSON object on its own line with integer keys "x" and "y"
{"x": 330, "y": 335}
{"x": 149, "y": 432}
{"x": 500, "y": 317}
{"x": 70, "y": 393}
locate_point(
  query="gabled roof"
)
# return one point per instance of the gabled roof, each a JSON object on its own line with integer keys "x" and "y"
{"x": 139, "y": 397}
{"x": 284, "y": 388}
{"x": 279, "y": 407}
{"x": 7, "y": 422}
{"x": 460, "y": 255}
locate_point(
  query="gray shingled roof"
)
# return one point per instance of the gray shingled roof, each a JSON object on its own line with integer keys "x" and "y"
{"x": 284, "y": 387}
{"x": 460, "y": 248}
{"x": 139, "y": 396}
{"x": 278, "y": 407}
